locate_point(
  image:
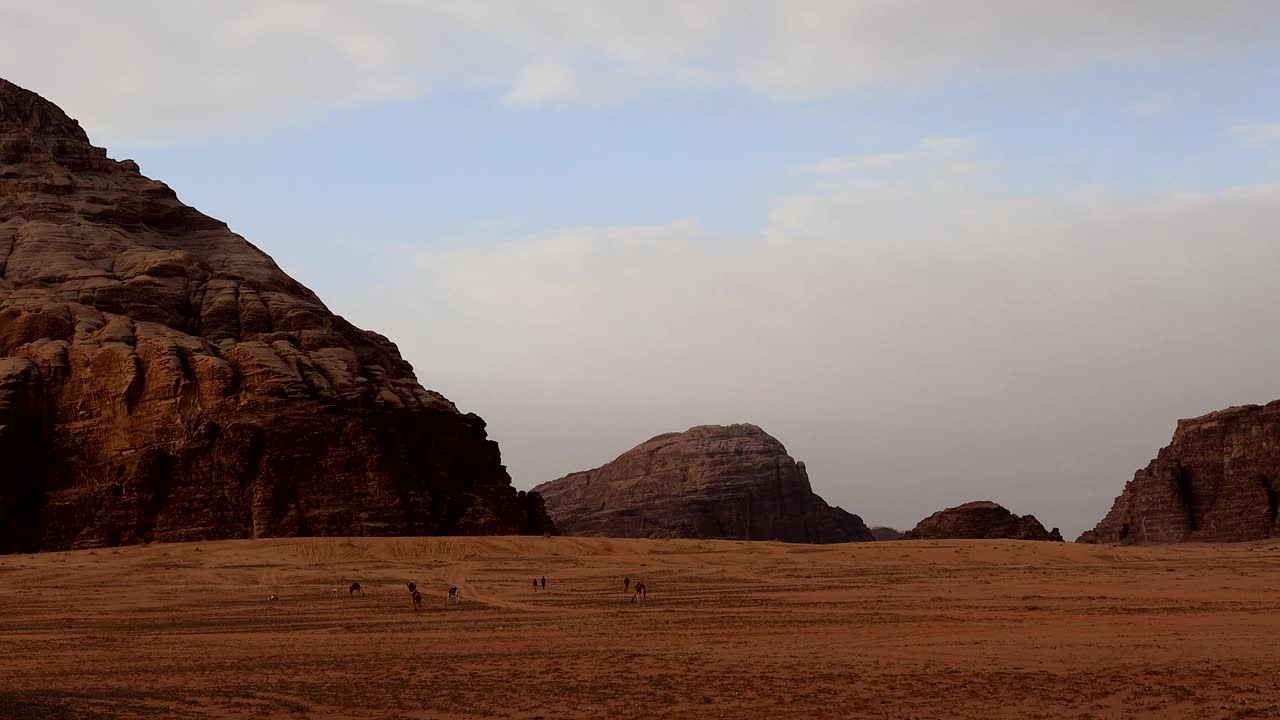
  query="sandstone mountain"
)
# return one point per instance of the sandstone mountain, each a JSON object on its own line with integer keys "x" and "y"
{"x": 1219, "y": 479}
{"x": 163, "y": 379}
{"x": 883, "y": 534}
{"x": 983, "y": 520}
{"x": 711, "y": 481}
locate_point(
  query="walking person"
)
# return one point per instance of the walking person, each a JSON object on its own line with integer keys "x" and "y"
{"x": 544, "y": 583}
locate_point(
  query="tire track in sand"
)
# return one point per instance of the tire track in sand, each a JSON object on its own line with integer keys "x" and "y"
{"x": 457, "y": 575}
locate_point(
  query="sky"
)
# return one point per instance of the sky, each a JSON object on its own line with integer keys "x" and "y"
{"x": 943, "y": 251}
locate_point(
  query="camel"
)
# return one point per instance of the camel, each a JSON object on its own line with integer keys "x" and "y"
{"x": 454, "y": 595}
{"x": 640, "y": 593}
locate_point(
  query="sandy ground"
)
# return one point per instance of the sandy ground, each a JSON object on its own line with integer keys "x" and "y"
{"x": 959, "y": 629}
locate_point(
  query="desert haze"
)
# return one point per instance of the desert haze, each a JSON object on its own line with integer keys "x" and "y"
{"x": 887, "y": 299}
{"x": 920, "y": 629}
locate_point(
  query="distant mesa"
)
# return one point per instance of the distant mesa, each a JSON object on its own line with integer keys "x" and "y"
{"x": 884, "y": 534}
{"x": 162, "y": 379}
{"x": 1218, "y": 480}
{"x": 983, "y": 520}
{"x": 711, "y": 481}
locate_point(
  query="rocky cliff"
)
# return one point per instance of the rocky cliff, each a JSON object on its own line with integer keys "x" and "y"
{"x": 1219, "y": 479}
{"x": 711, "y": 481}
{"x": 983, "y": 520}
{"x": 162, "y": 379}
{"x": 886, "y": 534}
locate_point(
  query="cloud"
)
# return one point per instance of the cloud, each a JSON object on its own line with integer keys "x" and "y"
{"x": 544, "y": 80}
{"x": 919, "y": 336}
{"x": 1258, "y": 134}
{"x": 957, "y": 152}
{"x": 152, "y": 69}
{"x": 1152, "y": 105}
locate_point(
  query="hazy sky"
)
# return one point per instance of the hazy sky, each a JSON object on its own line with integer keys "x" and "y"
{"x": 945, "y": 251}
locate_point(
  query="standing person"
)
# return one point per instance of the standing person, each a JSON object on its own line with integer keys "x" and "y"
{"x": 626, "y": 583}
{"x": 535, "y": 584}
{"x": 544, "y": 583}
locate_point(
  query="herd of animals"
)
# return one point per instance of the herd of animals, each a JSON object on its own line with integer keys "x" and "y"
{"x": 454, "y": 595}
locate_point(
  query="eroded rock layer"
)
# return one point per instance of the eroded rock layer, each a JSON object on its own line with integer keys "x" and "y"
{"x": 711, "y": 481}
{"x": 162, "y": 379}
{"x": 1218, "y": 480}
{"x": 983, "y": 520}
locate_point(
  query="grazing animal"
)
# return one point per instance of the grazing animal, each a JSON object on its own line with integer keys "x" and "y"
{"x": 355, "y": 588}
{"x": 454, "y": 595}
{"x": 272, "y": 598}
{"x": 640, "y": 593}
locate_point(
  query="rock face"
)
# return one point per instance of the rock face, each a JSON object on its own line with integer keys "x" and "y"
{"x": 982, "y": 520}
{"x": 1218, "y": 480}
{"x": 886, "y": 534}
{"x": 162, "y": 379}
{"x": 711, "y": 481}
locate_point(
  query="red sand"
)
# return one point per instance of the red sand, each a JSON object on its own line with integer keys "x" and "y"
{"x": 956, "y": 629}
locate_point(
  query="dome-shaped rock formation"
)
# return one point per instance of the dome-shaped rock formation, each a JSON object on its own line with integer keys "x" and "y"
{"x": 1218, "y": 480}
{"x": 711, "y": 481}
{"x": 885, "y": 534}
{"x": 983, "y": 520}
{"x": 163, "y": 379}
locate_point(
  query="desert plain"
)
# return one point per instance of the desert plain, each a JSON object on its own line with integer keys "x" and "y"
{"x": 916, "y": 629}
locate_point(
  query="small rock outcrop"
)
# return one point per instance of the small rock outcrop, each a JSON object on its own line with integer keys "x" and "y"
{"x": 1218, "y": 480}
{"x": 711, "y": 481}
{"x": 886, "y": 534}
{"x": 983, "y": 520}
{"x": 162, "y": 379}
